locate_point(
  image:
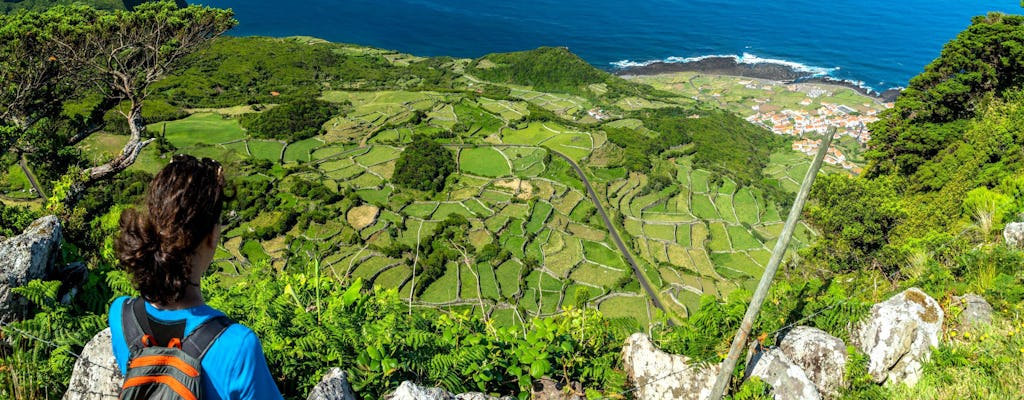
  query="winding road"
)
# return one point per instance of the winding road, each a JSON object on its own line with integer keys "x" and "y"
{"x": 615, "y": 233}
{"x": 604, "y": 215}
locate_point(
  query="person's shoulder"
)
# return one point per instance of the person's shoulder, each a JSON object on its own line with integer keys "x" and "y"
{"x": 238, "y": 335}
{"x": 119, "y": 302}
{"x": 115, "y": 308}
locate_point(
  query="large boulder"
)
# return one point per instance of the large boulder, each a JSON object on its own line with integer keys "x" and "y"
{"x": 822, "y": 357}
{"x": 23, "y": 258}
{"x": 1013, "y": 233}
{"x": 333, "y": 386}
{"x": 976, "y": 311}
{"x": 788, "y": 380}
{"x": 658, "y": 375}
{"x": 549, "y": 389}
{"x": 411, "y": 391}
{"x": 899, "y": 335}
{"x": 95, "y": 375}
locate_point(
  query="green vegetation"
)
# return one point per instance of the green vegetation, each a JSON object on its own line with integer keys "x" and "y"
{"x": 424, "y": 165}
{"x": 412, "y": 214}
{"x": 484, "y": 161}
{"x": 298, "y": 120}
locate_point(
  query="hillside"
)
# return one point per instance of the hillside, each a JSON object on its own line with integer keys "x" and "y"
{"x": 453, "y": 221}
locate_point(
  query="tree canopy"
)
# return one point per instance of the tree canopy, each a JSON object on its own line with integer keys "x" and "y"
{"x": 424, "y": 165}
{"x": 68, "y": 52}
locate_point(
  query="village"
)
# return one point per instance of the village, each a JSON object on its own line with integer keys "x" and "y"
{"x": 803, "y": 123}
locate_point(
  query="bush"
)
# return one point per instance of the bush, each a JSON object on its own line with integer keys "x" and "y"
{"x": 301, "y": 119}
{"x": 424, "y": 165}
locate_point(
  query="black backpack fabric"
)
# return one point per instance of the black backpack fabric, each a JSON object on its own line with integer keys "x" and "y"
{"x": 162, "y": 364}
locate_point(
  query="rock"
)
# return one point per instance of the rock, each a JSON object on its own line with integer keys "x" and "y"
{"x": 822, "y": 357}
{"x": 548, "y": 389}
{"x": 95, "y": 375}
{"x": 411, "y": 391}
{"x": 333, "y": 386}
{"x": 1013, "y": 233}
{"x": 899, "y": 335}
{"x": 661, "y": 376}
{"x": 23, "y": 258}
{"x": 976, "y": 311}
{"x": 787, "y": 379}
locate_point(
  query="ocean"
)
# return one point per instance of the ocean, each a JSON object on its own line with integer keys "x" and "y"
{"x": 878, "y": 44}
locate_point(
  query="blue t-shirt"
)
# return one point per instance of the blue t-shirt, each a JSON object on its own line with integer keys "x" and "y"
{"x": 234, "y": 367}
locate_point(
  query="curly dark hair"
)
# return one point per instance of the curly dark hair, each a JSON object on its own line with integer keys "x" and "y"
{"x": 156, "y": 245}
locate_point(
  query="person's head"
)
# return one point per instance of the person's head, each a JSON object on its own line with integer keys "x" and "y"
{"x": 167, "y": 245}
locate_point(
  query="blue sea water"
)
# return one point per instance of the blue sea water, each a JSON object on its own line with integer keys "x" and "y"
{"x": 879, "y": 43}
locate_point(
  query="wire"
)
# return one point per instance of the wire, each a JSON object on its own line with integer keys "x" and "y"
{"x": 27, "y": 335}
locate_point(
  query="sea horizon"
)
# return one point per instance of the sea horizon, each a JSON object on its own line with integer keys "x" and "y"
{"x": 869, "y": 43}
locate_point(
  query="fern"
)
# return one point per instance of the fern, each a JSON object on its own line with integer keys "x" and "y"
{"x": 40, "y": 293}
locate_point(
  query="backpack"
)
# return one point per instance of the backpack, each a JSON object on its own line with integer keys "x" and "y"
{"x": 170, "y": 368}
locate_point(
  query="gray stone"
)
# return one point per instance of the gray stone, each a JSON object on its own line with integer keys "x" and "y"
{"x": 976, "y": 311}
{"x": 549, "y": 389}
{"x": 899, "y": 335}
{"x": 1013, "y": 233}
{"x": 95, "y": 375}
{"x": 822, "y": 357}
{"x": 661, "y": 376}
{"x": 411, "y": 391}
{"x": 333, "y": 386}
{"x": 23, "y": 258}
{"x": 788, "y": 380}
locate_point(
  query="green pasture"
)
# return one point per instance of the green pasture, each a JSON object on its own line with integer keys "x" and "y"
{"x": 484, "y": 161}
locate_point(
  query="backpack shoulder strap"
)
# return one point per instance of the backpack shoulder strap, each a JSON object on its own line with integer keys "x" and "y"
{"x": 135, "y": 323}
{"x": 202, "y": 338}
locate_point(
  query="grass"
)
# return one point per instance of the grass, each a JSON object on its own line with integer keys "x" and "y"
{"x": 596, "y": 275}
{"x": 508, "y": 277}
{"x": 662, "y": 232}
{"x": 301, "y": 150}
{"x": 702, "y": 207}
{"x": 746, "y": 206}
{"x": 623, "y": 306}
{"x": 719, "y": 237}
{"x": 443, "y": 289}
{"x": 266, "y": 149}
{"x": 484, "y": 161}
{"x": 602, "y": 254}
{"x": 541, "y": 212}
{"x": 446, "y": 209}
{"x": 488, "y": 282}
{"x": 742, "y": 239}
{"x": 362, "y": 216}
{"x": 205, "y": 128}
{"x": 378, "y": 155}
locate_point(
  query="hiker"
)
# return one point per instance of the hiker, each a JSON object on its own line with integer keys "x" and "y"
{"x": 168, "y": 341}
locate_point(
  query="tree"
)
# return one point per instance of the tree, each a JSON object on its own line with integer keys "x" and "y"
{"x": 424, "y": 165}
{"x": 117, "y": 55}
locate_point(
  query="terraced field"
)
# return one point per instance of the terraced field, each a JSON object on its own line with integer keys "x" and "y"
{"x": 701, "y": 235}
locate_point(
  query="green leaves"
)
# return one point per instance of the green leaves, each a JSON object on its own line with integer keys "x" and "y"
{"x": 424, "y": 165}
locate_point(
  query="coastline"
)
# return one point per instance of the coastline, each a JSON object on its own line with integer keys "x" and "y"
{"x": 730, "y": 66}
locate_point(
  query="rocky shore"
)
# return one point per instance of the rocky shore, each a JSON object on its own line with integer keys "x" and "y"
{"x": 771, "y": 71}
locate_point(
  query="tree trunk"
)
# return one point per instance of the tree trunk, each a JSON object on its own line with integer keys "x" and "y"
{"x": 128, "y": 155}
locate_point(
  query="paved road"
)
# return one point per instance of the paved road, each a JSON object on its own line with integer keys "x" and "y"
{"x": 614, "y": 232}
{"x": 600, "y": 210}
{"x": 31, "y": 178}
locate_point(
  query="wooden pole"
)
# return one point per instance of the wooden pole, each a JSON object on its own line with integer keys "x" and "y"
{"x": 740, "y": 341}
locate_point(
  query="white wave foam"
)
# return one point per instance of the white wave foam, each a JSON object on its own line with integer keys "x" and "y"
{"x": 746, "y": 58}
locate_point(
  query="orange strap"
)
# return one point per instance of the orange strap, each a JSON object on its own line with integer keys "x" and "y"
{"x": 149, "y": 361}
{"x": 178, "y": 388}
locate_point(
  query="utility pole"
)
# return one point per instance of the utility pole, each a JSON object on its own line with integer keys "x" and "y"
{"x": 740, "y": 341}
